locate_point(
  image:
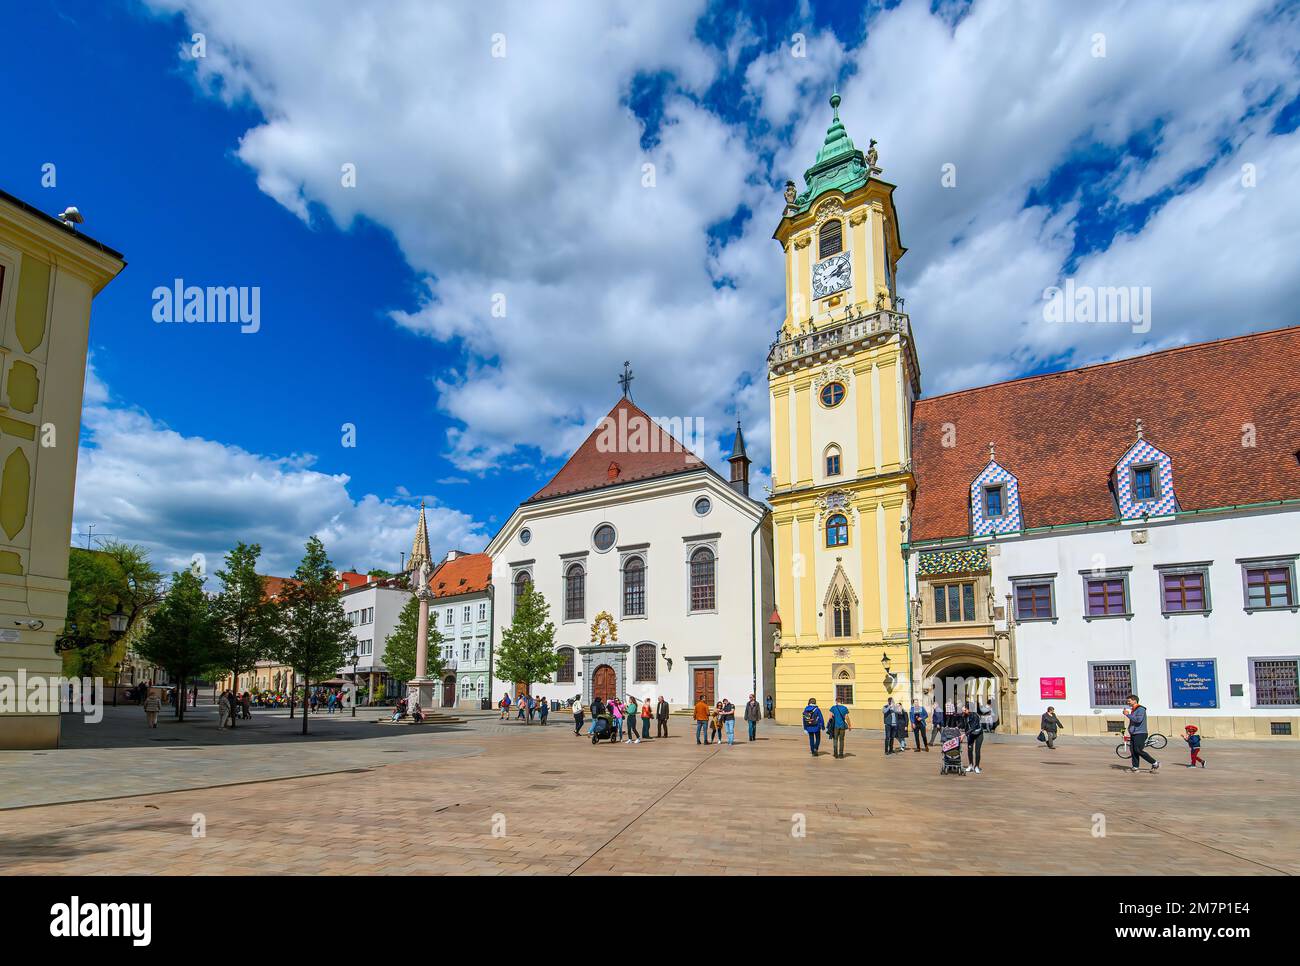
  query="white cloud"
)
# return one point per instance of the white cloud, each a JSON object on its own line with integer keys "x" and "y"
{"x": 179, "y": 495}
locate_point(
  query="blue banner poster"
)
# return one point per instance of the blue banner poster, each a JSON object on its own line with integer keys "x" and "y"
{"x": 1192, "y": 685}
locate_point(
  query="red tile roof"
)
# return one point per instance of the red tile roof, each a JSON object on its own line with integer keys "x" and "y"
{"x": 1061, "y": 434}
{"x": 627, "y": 445}
{"x": 273, "y": 587}
{"x": 349, "y": 580}
{"x": 465, "y": 574}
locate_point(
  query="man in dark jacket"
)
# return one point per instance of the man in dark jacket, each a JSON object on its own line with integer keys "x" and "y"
{"x": 1050, "y": 725}
{"x": 892, "y": 719}
{"x": 919, "y": 716}
{"x": 752, "y": 714}
{"x": 1137, "y": 733}
{"x": 661, "y": 718}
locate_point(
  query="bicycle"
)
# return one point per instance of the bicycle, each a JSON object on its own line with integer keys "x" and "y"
{"x": 1155, "y": 742}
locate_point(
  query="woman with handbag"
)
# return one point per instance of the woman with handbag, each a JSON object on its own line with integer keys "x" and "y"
{"x": 1050, "y": 725}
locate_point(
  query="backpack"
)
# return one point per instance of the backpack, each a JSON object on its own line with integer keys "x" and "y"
{"x": 810, "y": 717}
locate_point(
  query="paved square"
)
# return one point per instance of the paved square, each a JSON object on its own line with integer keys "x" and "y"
{"x": 486, "y": 797}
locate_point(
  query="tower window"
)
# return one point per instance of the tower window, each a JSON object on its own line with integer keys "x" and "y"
{"x": 832, "y": 461}
{"x": 832, "y": 394}
{"x": 837, "y": 531}
{"x": 830, "y": 241}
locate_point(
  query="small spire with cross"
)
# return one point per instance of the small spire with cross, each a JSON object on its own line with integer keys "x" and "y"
{"x": 625, "y": 380}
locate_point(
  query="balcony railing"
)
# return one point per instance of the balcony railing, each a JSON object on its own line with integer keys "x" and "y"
{"x": 842, "y": 333}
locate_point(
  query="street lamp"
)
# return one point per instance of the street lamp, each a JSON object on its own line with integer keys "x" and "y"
{"x": 117, "y": 627}
{"x": 355, "y": 660}
{"x": 663, "y": 653}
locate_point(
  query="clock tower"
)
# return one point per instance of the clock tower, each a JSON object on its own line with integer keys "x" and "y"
{"x": 843, "y": 378}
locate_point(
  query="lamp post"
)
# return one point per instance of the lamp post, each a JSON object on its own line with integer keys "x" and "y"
{"x": 663, "y": 653}
{"x": 889, "y": 677}
{"x": 355, "y": 660}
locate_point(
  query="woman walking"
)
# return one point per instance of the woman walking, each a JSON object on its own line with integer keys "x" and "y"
{"x": 1050, "y": 725}
{"x": 646, "y": 714}
{"x": 974, "y": 739}
{"x": 152, "y": 705}
{"x": 715, "y": 723}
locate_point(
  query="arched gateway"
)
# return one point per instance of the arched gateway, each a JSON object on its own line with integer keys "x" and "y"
{"x": 604, "y": 683}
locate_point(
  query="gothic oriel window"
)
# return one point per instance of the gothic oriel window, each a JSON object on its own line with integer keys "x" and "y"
{"x": 837, "y": 531}
{"x": 703, "y": 596}
{"x": 565, "y": 673}
{"x": 646, "y": 663}
{"x": 841, "y": 614}
{"x": 575, "y": 593}
{"x": 634, "y": 587}
{"x": 830, "y": 240}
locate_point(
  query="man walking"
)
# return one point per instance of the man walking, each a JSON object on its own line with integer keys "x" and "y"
{"x": 577, "y": 716}
{"x": 701, "y": 719}
{"x": 661, "y": 718}
{"x": 890, "y": 715}
{"x": 729, "y": 720}
{"x": 936, "y": 721}
{"x": 752, "y": 714}
{"x": 1137, "y": 733}
{"x": 918, "y": 725}
{"x": 813, "y": 723}
{"x": 839, "y": 721}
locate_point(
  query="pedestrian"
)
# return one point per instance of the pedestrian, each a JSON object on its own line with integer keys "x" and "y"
{"x": 661, "y": 717}
{"x": 988, "y": 717}
{"x": 936, "y": 720}
{"x": 900, "y": 726}
{"x": 521, "y": 705}
{"x": 1193, "y": 739}
{"x": 838, "y": 725}
{"x": 247, "y": 704}
{"x": 615, "y": 708}
{"x": 919, "y": 717}
{"x": 1137, "y": 733}
{"x": 701, "y": 720}
{"x": 223, "y": 709}
{"x": 194, "y": 696}
{"x": 728, "y": 715}
{"x": 813, "y": 723}
{"x": 504, "y": 706}
{"x": 752, "y": 714}
{"x": 577, "y": 715}
{"x": 715, "y": 723}
{"x": 770, "y": 705}
{"x": 646, "y": 714}
{"x": 152, "y": 705}
{"x": 543, "y": 709}
{"x": 1049, "y": 725}
{"x": 531, "y": 702}
{"x": 974, "y": 739}
{"x": 890, "y": 716}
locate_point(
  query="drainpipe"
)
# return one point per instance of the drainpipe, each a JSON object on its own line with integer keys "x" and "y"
{"x": 753, "y": 601}
{"x": 907, "y": 606}
{"x": 492, "y": 637}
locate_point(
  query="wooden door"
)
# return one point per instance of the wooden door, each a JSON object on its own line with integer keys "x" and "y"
{"x": 521, "y": 688}
{"x": 603, "y": 683}
{"x": 704, "y": 685}
{"x": 449, "y": 693}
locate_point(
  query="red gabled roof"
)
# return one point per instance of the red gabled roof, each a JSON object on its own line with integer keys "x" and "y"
{"x": 1061, "y": 434}
{"x": 465, "y": 574}
{"x": 626, "y": 445}
{"x": 349, "y": 580}
{"x": 273, "y": 587}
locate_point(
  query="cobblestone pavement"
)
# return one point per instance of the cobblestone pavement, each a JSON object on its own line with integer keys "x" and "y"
{"x": 491, "y": 797}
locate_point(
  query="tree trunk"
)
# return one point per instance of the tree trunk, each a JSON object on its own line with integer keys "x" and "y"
{"x": 305, "y": 689}
{"x": 180, "y": 699}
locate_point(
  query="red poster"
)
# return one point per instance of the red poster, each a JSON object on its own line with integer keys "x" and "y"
{"x": 1051, "y": 688}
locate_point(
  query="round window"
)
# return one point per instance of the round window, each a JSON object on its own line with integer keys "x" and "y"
{"x": 832, "y": 394}
{"x": 525, "y": 535}
{"x": 604, "y": 537}
{"x": 703, "y": 506}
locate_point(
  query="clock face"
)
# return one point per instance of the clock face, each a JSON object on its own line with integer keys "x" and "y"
{"x": 831, "y": 275}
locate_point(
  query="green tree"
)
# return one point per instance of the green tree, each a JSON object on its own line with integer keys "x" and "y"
{"x": 527, "y": 652}
{"x": 119, "y": 576}
{"x": 399, "y": 646}
{"x": 312, "y": 633}
{"x": 182, "y": 633}
{"x": 243, "y": 613}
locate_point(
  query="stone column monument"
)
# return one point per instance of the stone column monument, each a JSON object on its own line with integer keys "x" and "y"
{"x": 421, "y": 689}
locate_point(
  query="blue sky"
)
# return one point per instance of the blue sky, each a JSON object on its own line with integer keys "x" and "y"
{"x": 521, "y": 176}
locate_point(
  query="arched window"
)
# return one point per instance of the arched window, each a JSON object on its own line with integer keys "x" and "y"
{"x": 702, "y": 580}
{"x": 841, "y": 614}
{"x": 575, "y": 593}
{"x": 565, "y": 673}
{"x": 647, "y": 667}
{"x": 634, "y": 587}
{"x": 522, "y": 580}
{"x": 833, "y": 460}
{"x": 837, "y": 531}
{"x": 830, "y": 241}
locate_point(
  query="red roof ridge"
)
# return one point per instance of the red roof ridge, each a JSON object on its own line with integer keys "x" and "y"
{"x": 1190, "y": 347}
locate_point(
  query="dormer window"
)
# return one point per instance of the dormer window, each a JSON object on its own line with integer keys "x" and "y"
{"x": 830, "y": 240}
{"x": 1144, "y": 482}
{"x": 994, "y": 501}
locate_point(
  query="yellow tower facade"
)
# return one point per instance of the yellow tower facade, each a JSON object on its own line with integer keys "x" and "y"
{"x": 843, "y": 378}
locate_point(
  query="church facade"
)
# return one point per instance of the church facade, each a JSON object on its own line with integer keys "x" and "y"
{"x": 656, "y": 569}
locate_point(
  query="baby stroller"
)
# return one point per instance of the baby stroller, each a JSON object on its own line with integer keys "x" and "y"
{"x": 950, "y": 760}
{"x": 602, "y": 729}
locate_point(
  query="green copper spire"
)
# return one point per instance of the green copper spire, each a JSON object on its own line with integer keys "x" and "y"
{"x": 839, "y": 165}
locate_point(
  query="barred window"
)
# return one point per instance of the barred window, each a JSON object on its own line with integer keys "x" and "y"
{"x": 844, "y": 694}
{"x": 565, "y": 673}
{"x": 830, "y": 241}
{"x": 647, "y": 668}
{"x": 634, "y": 587}
{"x": 702, "y": 576}
{"x": 575, "y": 593}
{"x": 1111, "y": 684}
{"x": 1277, "y": 683}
